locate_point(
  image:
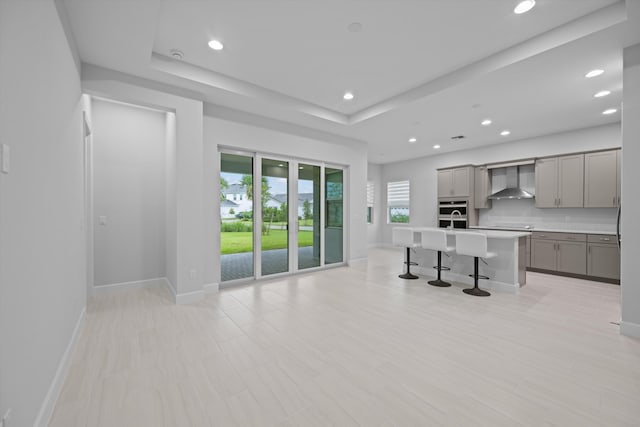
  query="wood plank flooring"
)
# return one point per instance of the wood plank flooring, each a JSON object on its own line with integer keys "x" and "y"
{"x": 356, "y": 346}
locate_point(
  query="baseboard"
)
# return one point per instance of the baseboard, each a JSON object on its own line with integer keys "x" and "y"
{"x": 464, "y": 279}
{"x": 149, "y": 283}
{"x": 211, "y": 288}
{"x": 46, "y": 410}
{"x": 189, "y": 297}
{"x": 630, "y": 329}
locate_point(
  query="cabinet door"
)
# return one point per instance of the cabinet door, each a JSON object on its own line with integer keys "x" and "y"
{"x": 528, "y": 252}
{"x": 600, "y": 179}
{"x": 603, "y": 260}
{"x": 445, "y": 183}
{"x": 461, "y": 187}
{"x": 572, "y": 257}
{"x": 571, "y": 181}
{"x": 618, "y": 174}
{"x": 482, "y": 186}
{"x": 546, "y": 183}
{"x": 543, "y": 254}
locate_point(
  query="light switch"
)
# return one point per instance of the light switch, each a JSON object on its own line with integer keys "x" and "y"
{"x": 102, "y": 220}
{"x": 6, "y": 158}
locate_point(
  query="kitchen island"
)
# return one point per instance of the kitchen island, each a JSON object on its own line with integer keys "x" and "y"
{"x": 507, "y": 271}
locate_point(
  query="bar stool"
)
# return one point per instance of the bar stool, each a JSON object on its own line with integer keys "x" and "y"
{"x": 437, "y": 240}
{"x": 475, "y": 245}
{"x": 403, "y": 236}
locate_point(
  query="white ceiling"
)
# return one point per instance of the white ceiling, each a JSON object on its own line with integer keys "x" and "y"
{"x": 430, "y": 69}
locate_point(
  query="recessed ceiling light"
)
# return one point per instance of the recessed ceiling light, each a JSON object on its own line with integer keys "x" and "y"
{"x": 216, "y": 45}
{"x": 524, "y": 6}
{"x": 505, "y": 132}
{"x": 609, "y": 111}
{"x": 435, "y": 147}
{"x": 601, "y": 94}
{"x": 593, "y": 73}
{"x": 412, "y": 140}
{"x": 348, "y": 96}
{"x": 486, "y": 122}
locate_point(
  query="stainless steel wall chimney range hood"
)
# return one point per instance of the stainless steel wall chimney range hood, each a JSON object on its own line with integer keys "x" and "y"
{"x": 513, "y": 190}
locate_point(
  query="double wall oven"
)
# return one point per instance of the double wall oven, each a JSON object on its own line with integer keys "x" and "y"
{"x": 453, "y": 213}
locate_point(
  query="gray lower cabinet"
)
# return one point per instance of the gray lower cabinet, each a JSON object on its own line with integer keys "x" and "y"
{"x": 543, "y": 254}
{"x": 528, "y": 253}
{"x": 571, "y": 257}
{"x": 563, "y": 252}
{"x": 603, "y": 257}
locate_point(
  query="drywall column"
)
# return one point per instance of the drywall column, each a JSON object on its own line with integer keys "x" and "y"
{"x": 189, "y": 204}
{"x": 630, "y": 286}
{"x": 171, "y": 235}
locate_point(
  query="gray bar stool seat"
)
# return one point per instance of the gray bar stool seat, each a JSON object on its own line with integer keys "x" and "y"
{"x": 436, "y": 240}
{"x": 403, "y": 236}
{"x": 475, "y": 245}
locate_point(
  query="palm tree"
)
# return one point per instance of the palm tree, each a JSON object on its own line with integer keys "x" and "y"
{"x": 223, "y": 186}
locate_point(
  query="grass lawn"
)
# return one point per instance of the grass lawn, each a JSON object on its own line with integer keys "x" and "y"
{"x": 238, "y": 242}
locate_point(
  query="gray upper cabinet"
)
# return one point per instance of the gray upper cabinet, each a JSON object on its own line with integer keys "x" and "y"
{"x": 601, "y": 179}
{"x": 482, "y": 185}
{"x": 546, "y": 183}
{"x": 455, "y": 182}
{"x": 560, "y": 182}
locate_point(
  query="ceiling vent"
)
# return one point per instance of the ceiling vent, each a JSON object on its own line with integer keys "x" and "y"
{"x": 458, "y": 137}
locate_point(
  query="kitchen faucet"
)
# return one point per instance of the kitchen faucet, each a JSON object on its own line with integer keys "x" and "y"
{"x": 451, "y": 217}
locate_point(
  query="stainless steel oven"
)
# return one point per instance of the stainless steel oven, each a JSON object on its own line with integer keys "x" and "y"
{"x": 453, "y": 213}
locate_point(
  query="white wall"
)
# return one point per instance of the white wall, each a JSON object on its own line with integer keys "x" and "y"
{"x": 374, "y": 174}
{"x": 42, "y": 243}
{"x": 253, "y": 138}
{"x": 630, "y": 202}
{"x": 423, "y": 176}
{"x": 129, "y": 185}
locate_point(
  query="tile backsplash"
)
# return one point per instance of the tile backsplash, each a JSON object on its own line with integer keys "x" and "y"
{"x": 524, "y": 212}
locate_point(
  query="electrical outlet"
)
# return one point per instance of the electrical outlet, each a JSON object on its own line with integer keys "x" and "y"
{"x": 5, "y": 418}
{"x": 192, "y": 274}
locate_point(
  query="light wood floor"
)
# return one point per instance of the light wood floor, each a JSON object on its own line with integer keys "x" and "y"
{"x": 356, "y": 346}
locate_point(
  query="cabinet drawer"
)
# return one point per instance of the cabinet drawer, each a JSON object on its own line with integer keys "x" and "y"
{"x": 601, "y": 238}
{"x": 543, "y": 235}
{"x": 572, "y": 237}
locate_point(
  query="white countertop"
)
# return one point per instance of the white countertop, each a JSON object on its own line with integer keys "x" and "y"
{"x": 550, "y": 230}
{"x": 491, "y": 234}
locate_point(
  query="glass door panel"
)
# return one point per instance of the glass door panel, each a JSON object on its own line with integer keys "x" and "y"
{"x": 333, "y": 229}
{"x": 309, "y": 206}
{"x": 275, "y": 217}
{"x": 236, "y": 217}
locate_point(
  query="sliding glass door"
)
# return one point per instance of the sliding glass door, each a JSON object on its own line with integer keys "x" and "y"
{"x": 294, "y": 216}
{"x": 274, "y": 226}
{"x": 309, "y": 208}
{"x": 236, "y": 217}
{"x": 334, "y": 206}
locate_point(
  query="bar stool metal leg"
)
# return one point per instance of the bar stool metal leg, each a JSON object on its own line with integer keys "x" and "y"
{"x": 476, "y": 291}
{"x": 438, "y": 282}
{"x": 408, "y": 274}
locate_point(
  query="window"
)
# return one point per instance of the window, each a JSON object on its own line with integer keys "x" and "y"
{"x": 370, "y": 195}
{"x": 398, "y": 202}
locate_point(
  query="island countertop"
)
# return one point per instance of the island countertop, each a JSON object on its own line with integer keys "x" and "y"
{"x": 491, "y": 234}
